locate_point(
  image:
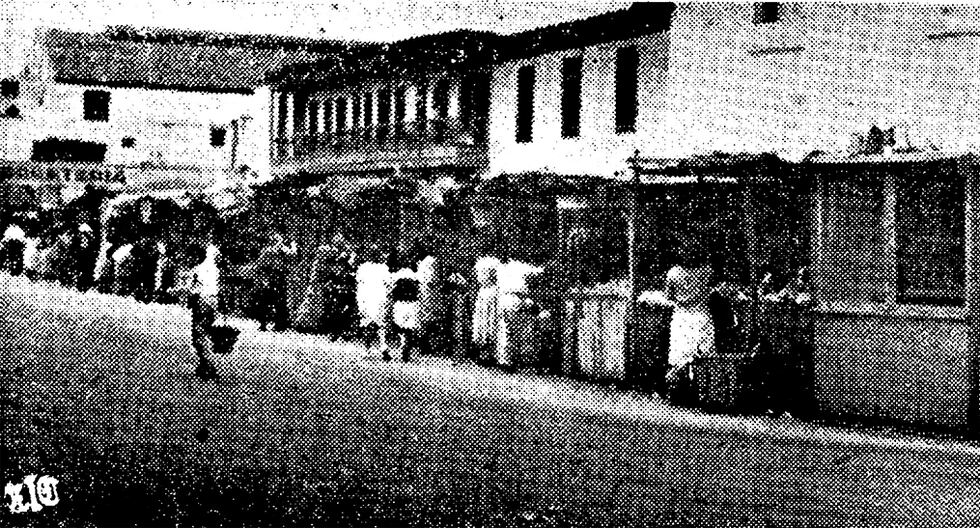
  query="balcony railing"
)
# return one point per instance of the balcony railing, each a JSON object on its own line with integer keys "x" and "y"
{"x": 379, "y": 139}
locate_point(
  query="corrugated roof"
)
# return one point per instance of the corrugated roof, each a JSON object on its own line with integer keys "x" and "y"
{"x": 190, "y": 61}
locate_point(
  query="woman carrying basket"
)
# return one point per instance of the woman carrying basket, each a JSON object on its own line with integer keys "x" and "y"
{"x": 203, "y": 302}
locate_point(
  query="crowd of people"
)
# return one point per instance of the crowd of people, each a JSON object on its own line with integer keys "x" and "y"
{"x": 399, "y": 304}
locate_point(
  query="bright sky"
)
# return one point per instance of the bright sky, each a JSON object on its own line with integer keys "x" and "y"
{"x": 371, "y": 20}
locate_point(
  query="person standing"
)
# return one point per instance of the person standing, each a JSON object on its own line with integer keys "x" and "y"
{"x": 14, "y": 244}
{"x": 203, "y": 304}
{"x": 692, "y": 333}
{"x": 271, "y": 270}
{"x": 373, "y": 281}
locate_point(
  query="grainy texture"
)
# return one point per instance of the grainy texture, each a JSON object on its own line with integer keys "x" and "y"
{"x": 302, "y": 431}
{"x": 493, "y": 265}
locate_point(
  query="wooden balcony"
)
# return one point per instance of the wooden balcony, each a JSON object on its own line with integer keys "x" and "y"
{"x": 410, "y": 146}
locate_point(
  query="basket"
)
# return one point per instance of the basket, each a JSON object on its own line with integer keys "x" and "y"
{"x": 720, "y": 381}
{"x": 224, "y": 338}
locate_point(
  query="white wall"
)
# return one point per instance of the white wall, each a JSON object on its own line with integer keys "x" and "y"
{"x": 860, "y": 65}
{"x": 832, "y": 71}
{"x": 170, "y": 128}
{"x": 599, "y": 149}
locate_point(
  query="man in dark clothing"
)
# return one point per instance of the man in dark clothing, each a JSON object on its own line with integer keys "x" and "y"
{"x": 271, "y": 270}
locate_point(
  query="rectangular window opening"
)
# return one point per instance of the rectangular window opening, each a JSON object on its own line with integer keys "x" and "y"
{"x": 571, "y": 96}
{"x": 627, "y": 66}
{"x": 765, "y": 12}
{"x": 341, "y": 114}
{"x": 9, "y": 88}
{"x": 95, "y": 105}
{"x": 930, "y": 220}
{"x": 525, "y": 104}
{"x": 218, "y": 136}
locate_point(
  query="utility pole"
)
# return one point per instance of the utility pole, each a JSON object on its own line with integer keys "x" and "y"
{"x": 632, "y": 307}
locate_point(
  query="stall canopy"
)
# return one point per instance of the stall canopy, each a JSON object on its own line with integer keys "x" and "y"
{"x": 711, "y": 168}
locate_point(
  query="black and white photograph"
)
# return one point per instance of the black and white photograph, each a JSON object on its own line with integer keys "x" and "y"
{"x": 529, "y": 263}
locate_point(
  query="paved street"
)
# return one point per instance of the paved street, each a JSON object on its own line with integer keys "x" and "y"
{"x": 98, "y": 392}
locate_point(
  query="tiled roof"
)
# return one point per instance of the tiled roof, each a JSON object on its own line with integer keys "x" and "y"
{"x": 465, "y": 48}
{"x": 641, "y": 18}
{"x": 414, "y": 56}
{"x": 191, "y": 61}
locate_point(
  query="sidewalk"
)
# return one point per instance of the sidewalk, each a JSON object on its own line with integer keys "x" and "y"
{"x": 304, "y": 430}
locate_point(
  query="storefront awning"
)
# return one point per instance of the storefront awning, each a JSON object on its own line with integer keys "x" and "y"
{"x": 717, "y": 168}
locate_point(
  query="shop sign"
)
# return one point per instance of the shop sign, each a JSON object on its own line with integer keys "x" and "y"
{"x": 63, "y": 174}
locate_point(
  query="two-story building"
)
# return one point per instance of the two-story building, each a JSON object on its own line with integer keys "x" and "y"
{"x": 142, "y": 110}
{"x": 873, "y": 107}
{"x": 853, "y": 126}
{"x": 377, "y": 137}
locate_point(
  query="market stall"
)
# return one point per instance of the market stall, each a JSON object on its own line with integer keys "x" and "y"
{"x": 742, "y": 212}
{"x": 895, "y": 286}
{"x": 516, "y": 223}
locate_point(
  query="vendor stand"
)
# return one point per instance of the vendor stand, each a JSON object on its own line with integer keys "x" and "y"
{"x": 895, "y": 286}
{"x": 748, "y": 209}
{"x": 516, "y": 222}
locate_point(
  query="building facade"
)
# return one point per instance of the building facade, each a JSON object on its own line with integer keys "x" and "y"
{"x": 417, "y": 107}
{"x": 873, "y": 107}
{"x": 143, "y": 110}
{"x": 578, "y": 98}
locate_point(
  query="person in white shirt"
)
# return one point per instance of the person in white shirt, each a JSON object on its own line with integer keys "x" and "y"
{"x": 203, "y": 303}
{"x": 692, "y": 333}
{"x": 14, "y": 243}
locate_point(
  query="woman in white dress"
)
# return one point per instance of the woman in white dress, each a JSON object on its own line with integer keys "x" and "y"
{"x": 486, "y": 314}
{"x": 373, "y": 285}
{"x": 692, "y": 334}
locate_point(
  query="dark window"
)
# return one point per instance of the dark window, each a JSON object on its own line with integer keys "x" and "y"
{"x": 9, "y": 88}
{"x": 218, "y": 136}
{"x": 300, "y": 103}
{"x": 314, "y": 117}
{"x": 281, "y": 116}
{"x": 765, "y": 12}
{"x": 627, "y": 66}
{"x": 128, "y": 142}
{"x": 440, "y": 106}
{"x": 421, "y": 102}
{"x": 356, "y": 109}
{"x": 384, "y": 112}
{"x": 441, "y": 99}
{"x": 95, "y": 105}
{"x": 525, "y": 103}
{"x": 571, "y": 96}
{"x": 53, "y": 149}
{"x": 400, "y": 108}
{"x": 328, "y": 108}
{"x": 368, "y": 109}
{"x": 854, "y": 239}
{"x": 341, "y": 114}
{"x": 931, "y": 236}
{"x": 12, "y": 112}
